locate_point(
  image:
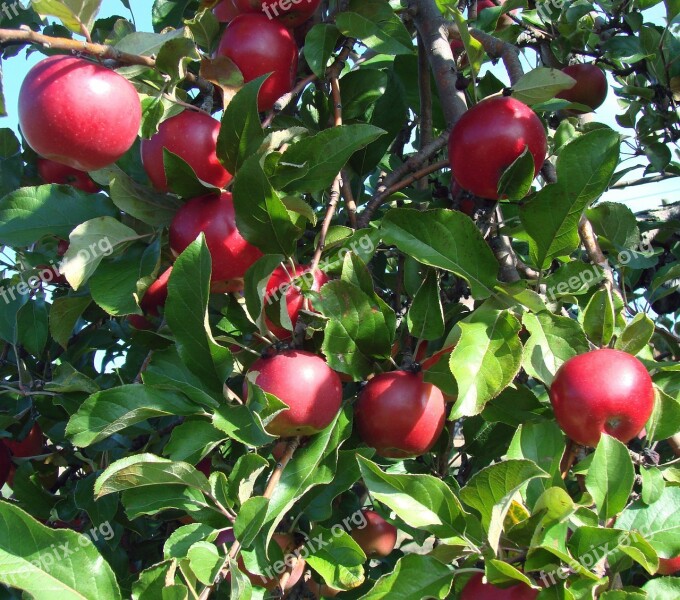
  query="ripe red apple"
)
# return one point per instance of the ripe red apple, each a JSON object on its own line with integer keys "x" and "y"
{"x": 488, "y": 138}
{"x": 215, "y": 217}
{"x": 205, "y": 466}
{"x": 475, "y": 589}
{"x": 140, "y": 322}
{"x": 78, "y": 113}
{"x": 303, "y": 381}
{"x": 667, "y": 566}
{"x": 54, "y": 172}
{"x": 590, "y": 87}
{"x": 31, "y": 445}
{"x": 284, "y": 283}
{"x": 399, "y": 414}
{"x": 5, "y": 463}
{"x": 287, "y": 545}
{"x": 377, "y": 537}
{"x": 192, "y": 136}
{"x": 225, "y": 11}
{"x": 156, "y": 294}
{"x": 602, "y": 390}
{"x": 290, "y": 12}
{"x": 258, "y": 45}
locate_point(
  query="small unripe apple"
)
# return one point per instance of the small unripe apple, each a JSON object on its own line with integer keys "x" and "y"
{"x": 283, "y": 282}
{"x": 78, "y": 112}
{"x": 476, "y": 589}
{"x": 214, "y": 216}
{"x": 603, "y": 390}
{"x": 488, "y": 138}
{"x": 192, "y": 136}
{"x": 257, "y": 46}
{"x": 399, "y": 414}
{"x": 54, "y": 172}
{"x": 291, "y": 13}
{"x": 668, "y": 566}
{"x": 590, "y": 87}
{"x": 156, "y": 294}
{"x": 303, "y": 381}
{"x": 377, "y": 537}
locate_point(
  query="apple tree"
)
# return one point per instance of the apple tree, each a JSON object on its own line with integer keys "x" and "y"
{"x": 308, "y": 298}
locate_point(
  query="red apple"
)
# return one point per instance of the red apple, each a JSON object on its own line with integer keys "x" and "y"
{"x": 303, "y": 381}
{"x": 215, "y": 217}
{"x": 205, "y": 466}
{"x": 290, "y": 12}
{"x": 259, "y": 46}
{"x": 225, "y": 11}
{"x": 54, "y": 172}
{"x": 284, "y": 283}
{"x": 377, "y": 537}
{"x": 475, "y": 589}
{"x": 667, "y": 566}
{"x": 602, "y": 391}
{"x": 31, "y": 445}
{"x": 287, "y": 545}
{"x": 231, "y": 286}
{"x": 399, "y": 414}
{"x": 192, "y": 136}
{"x": 488, "y": 138}
{"x": 78, "y": 113}
{"x": 140, "y": 322}
{"x": 5, "y": 463}
{"x": 590, "y": 87}
{"x": 156, "y": 294}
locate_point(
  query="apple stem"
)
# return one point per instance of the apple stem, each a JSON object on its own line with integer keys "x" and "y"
{"x": 570, "y": 454}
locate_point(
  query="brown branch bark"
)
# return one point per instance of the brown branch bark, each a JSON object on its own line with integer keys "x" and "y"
{"x": 103, "y": 51}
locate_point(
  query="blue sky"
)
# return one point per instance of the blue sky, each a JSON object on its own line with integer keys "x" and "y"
{"x": 638, "y": 198}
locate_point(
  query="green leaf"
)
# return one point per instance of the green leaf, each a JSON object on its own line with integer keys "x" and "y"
{"x": 339, "y": 560}
{"x": 146, "y": 470}
{"x": 32, "y": 326}
{"x": 636, "y": 335}
{"x": 552, "y": 341}
{"x": 241, "y": 133}
{"x": 242, "y": 478}
{"x": 662, "y": 588}
{"x": 491, "y": 491}
{"x": 599, "y": 317}
{"x": 357, "y": 330}
{"x": 141, "y": 202}
{"x": 516, "y": 180}
{"x": 610, "y": 477}
{"x": 109, "y": 411}
{"x": 90, "y": 243}
{"x": 255, "y": 284}
{"x": 261, "y": 216}
{"x": 445, "y": 239}
{"x": 152, "y": 581}
{"x": 175, "y": 55}
{"x": 76, "y": 15}
{"x": 250, "y": 519}
{"x": 421, "y": 501}
{"x": 543, "y": 443}
{"x": 665, "y": 419}
{"x": 182, "y": 178}
{"x": 615, "y": 225}
{"x": 653, "y": 484}
{"x": 192, "y": 440}
{"x": 241, "y": 586}
{"x": 186, "y": 313}
{"x": 178, "y": 543}
{"x": 414, "y": 576}
{"x": 48, "y": 563}
{"x": 311, "y": 164}
{"x": 376, "y": 25}
{"x": 205, "y": 562}
{"x": 486, "y": 359}
{"x": 320, "y": 43}
{"x": 584, "y": 169}
{"x": 425, "y": 317}
{"x": 31, "y": 213}
{"x": 540, "y": 85}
